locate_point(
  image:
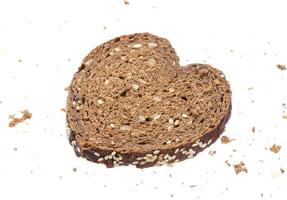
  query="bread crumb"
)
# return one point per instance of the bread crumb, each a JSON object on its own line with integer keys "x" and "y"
{"x": 282, "y": 171}
{"x": 74, "y": 169}
{"x": 66, "y": 88}
{"x": 275, "y": 148}
{"x": 284, "y": 116}
{"x": 253, "y": 129}
{"x": 281, "y": 67}
{"x": 211, "y": 153}
{"x": 63, "y": 109}
{"x": 225, "y": 139}
{"x": 15, "y": 149}
{"x": 14, "y": 120}
{"x": 227, "y": 163}
{"x": 250, "y": 88}
{"x": 240, "y": 168}
{"x": 126, "y": 2}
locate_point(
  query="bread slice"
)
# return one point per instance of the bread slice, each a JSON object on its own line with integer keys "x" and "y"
{"x": 132, "y": 103}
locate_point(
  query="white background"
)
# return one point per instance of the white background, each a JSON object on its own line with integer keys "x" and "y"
{"x": 41, "y": 46}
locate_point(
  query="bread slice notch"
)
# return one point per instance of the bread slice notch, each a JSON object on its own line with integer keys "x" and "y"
{"x": 132, "y": 103}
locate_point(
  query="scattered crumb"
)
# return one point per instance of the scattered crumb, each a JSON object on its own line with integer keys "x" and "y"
{"x": 14, "y": 120}
{"x": 66, "y": 88}
{"x": 105, "y": 28}
{"x": 231, "y": 50}
{"x": 60, "y": 177}
{"x": 227, "y": 163}
{"x": 282, "y": 171}
{"x": 15, "y": 149}
{"x": 74, "y": 169}
{"x": 63, "y": 109}
{"x": 240, "y": 168}
{"x": 126, "y": 2}
{"x": 284, "y": 116}
{"x": 211, "y": 153}
{"x": 192, "y": 186}
{"x": 171, "y": 195}
{"x": 225, "y": 139}
{"x": 69, "y": 59}
{"x": 275, "y": 148}
{"x": 250, "y": 88}
{"x": 253, "y": 129}
{"x": 284, "y": 105}
{"x": 20, "y": 60}
{"x": 170, "y": 175}
{"x": 282, "y": 67}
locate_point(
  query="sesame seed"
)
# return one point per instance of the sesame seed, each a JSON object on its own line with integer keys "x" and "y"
{"x": 170, "y": 120}
{"x": 176, "y": 122}
{"x": 156, "y": 98}
{"x": 137, "y": 45}
{"x": 149, "y": 155}
{"x": 108, "y": 157}
{"x": 96, "y": 154}
{"x": 73, "y": 143}
{"x": 152, "y": 44}
{"x": 135, "y": 162}
{"x": 195, "y": 144}
{"x": 135, "y": 87}
{"x": 142, "y": 163}
{"x": 165, "y": 156}
{"x": 156, "y": 151}
{"x": 100, "y": 101}
{"x": 190, "y": 156}
{"x": 121, "y": 162}
{"x": 115, "y": 162}
{"x": 184, "y": 152}
{"x": 209, "y": 141}
{"x": 106, "y": 82}
{"x": 139, "y": 158}
{"x": 171, "y": 89}
{"x": 173, "y": 157}
{"x": 176, "y": 161}
{"x": 73, "y": 103}
{"x": 182, "y": 149}
{"x": 168, "y": 142}
{"x": 113, "y": 153}
{"x": 156, "y": 116}
{"x": 184, "y": 115}
{"x": 176, "y": 151}
{"x": 141, "y": 118}
{"x": 100, "y": 159}
{"x": 89, "y": 62}
{"x": 117, "y": 49}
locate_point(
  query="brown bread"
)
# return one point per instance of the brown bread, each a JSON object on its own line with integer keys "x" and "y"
{"x": 132, "y": 103}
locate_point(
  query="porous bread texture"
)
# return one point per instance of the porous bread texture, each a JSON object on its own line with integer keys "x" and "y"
{"x": 132, "y": 103}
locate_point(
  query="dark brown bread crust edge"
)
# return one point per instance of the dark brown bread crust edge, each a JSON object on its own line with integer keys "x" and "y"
{"x": 157, "y": 156}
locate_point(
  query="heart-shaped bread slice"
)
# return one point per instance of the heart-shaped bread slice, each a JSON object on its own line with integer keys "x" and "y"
{"x": 132, "y": 103}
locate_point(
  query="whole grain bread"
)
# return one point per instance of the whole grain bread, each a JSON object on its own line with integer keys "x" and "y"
{"x": 130, "y": 102}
